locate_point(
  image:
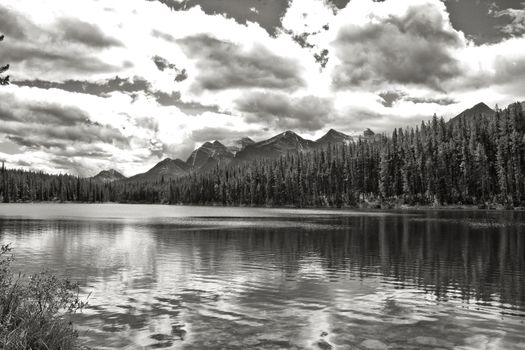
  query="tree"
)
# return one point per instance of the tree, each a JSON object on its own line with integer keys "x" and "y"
{"x": 3, "y": 69}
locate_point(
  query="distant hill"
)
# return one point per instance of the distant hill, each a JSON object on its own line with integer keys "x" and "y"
{"x": 481, "y": 110}
{"x": 276, "y": 146}
{"x": 167, "y": 169}
{"x": 213, "y": 154}
{"x": 209, "y": 155}
{"x": 241, "y": 144}
{"x": 107, "y": 176}
{"x": 333, "y": 137}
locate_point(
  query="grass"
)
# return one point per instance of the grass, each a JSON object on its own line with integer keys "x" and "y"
{"x": 36, "y": 310}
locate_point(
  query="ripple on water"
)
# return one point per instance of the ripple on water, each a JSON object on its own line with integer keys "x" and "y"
{"x": 274, "y": 279}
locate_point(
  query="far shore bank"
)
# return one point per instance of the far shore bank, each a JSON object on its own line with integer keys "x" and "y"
{"x": 362, "y": 206}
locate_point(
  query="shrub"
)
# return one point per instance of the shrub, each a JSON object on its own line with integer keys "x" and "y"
{"x": 36, "y": 311}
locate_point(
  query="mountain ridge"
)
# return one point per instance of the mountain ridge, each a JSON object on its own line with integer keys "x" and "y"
{"x": 109, "y": 175}
{"x": 480, "y": 110}
{"x": 214, "y": 153}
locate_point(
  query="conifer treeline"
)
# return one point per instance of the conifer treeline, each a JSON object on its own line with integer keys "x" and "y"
{"x": 475, "y": 161}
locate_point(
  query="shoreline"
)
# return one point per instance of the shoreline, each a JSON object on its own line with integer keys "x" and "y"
{"x": 365, "y": 206}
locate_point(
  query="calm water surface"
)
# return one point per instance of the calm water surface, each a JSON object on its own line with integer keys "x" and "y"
{"x": 198, "y": 278}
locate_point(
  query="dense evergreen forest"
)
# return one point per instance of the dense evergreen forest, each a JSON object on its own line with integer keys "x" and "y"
{"x": 470, "y": 161}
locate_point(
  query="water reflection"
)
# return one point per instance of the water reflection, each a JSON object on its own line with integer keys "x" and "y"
{"x": 409, "y": 280}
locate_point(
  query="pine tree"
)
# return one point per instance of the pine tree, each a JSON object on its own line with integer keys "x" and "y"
{"x": 3, "y": 69}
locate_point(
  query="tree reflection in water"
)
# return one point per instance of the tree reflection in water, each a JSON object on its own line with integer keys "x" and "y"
{"x": 405, "y": 279}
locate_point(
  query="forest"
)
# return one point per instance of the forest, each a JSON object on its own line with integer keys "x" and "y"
{"x": 476, "y": 161}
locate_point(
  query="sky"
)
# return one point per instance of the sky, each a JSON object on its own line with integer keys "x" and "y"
{"x": 99, "y": 84}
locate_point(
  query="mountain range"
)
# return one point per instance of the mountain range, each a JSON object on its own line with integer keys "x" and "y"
{"x": 110, "y": 175}
{"x": 213, "y": 154}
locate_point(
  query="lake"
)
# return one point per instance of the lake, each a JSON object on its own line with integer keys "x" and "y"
{"x": 236, "y": 278}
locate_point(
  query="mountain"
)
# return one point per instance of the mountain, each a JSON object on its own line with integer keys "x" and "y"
{"x": 213, "y": 154}
{"x": 481, "y": 110}
{"x": 367, "y": 134}
{"x": 107, "y": 176}
{"x": 241, "y": 144}
{"x": 209, "y": 155}
{"x": 167, "y": 169}
{"x": 333, "y": 137}
{"x": 276, "y": 146}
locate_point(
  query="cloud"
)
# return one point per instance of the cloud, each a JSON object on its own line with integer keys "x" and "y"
{"x": 444, "y": 101}
{"x": 389, "y": 98}
{"x": 164, "y": 36}
{"x": 50, "y": 125}
{"x": 28, "y": 56}
{"x": 225, "y": 135}
{"x": 226, "y": 65}
{"x": 495, "y": 69}
{"x": 94, "y": 88}
{"x": 190, "y": 108}
{"x": 74, "y": 30}
{"x": 404, "y": 44}
{"x": 266, "y": 13}
{"x": 12, "y": 24}
{"x": 163, "y": 65}
{"x": 130, "y": 86}
{"x": 517, "y": 26}
{"x": 100, "y": 88}
{"x": 283, "y": 112}
{"x": 33, "y": 48}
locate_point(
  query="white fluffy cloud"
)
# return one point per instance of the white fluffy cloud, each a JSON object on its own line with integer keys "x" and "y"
{"x": 187, "y": 75}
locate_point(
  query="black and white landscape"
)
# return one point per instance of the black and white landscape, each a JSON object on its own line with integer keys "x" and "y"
{"x": 262, "y": 174}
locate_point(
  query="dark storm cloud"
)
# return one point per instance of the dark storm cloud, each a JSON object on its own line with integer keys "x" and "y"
{"x": 50, "y": 125}
{"x": 100, "y": 88}
{"x": 165, "y": 99}
{"x": 71, "y": 30}
{"x": 130, "y": 86}
{"x": 74, "y": 30}
{"x": 33, "y": 55}
{"x": 163, "y": 65}
{"x": 29, "y": 46}
{"x": 474, "y": 18}
{"x": 305, "y": 113}
{"x": 196, "y": 108}
{"x": 224, "y": 65}
{"x": 50, "y": 114}
{"x": 445, "y": 101}
{"x": 40, "y": 136}
{"x": 410, "y": 49}
{"x": 12, "y": 24}
{"x": 189, "y": 108}
{"x": 391, "y": 97}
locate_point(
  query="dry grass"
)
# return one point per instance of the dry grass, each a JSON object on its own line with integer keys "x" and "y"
{"x": 35, "y": 311}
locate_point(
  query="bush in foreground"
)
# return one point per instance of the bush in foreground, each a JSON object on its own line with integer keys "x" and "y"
{"x": 35, "y": 311}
